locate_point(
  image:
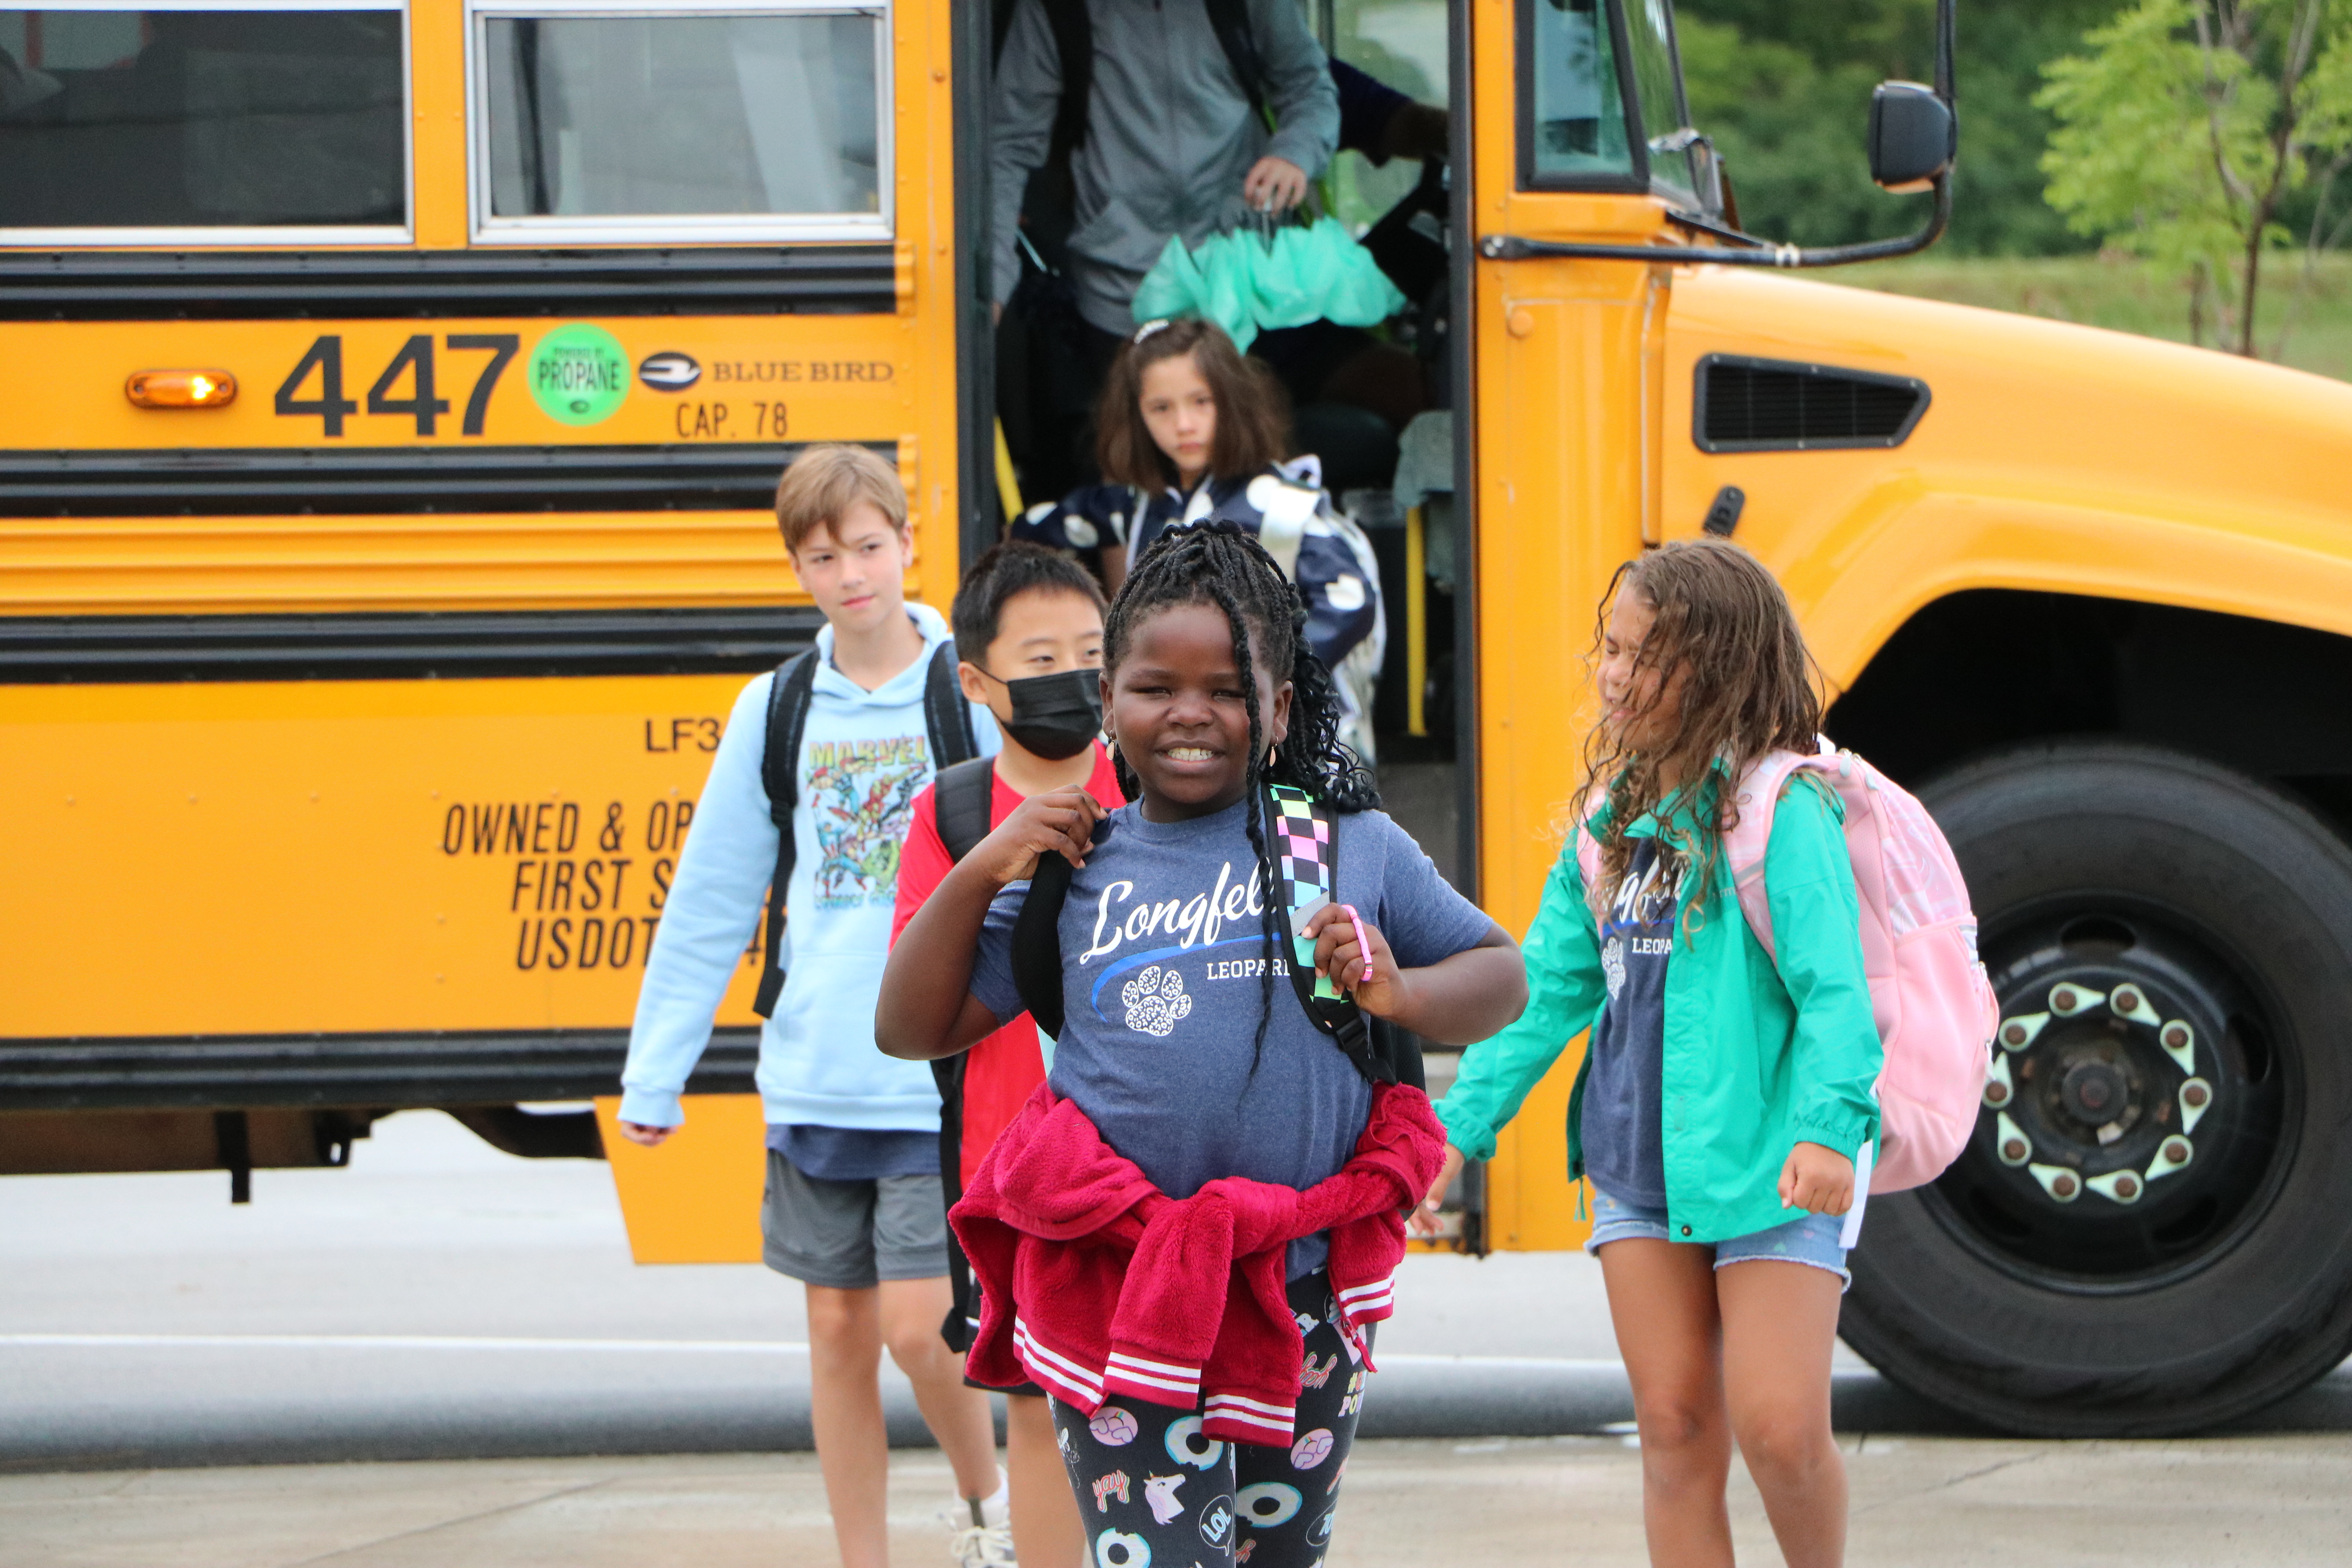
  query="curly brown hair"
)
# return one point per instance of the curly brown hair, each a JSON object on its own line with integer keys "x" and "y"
{"x": 1752, "y": 688}
{"x": 1253, "y": 415}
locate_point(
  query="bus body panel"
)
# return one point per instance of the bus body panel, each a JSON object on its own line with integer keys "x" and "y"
{"x": 255, "y": 866}
{"x": 694, "y": 1199}
{"x": 348, "y": 856}
{"x": 2117, "y": 467}
{"x": 761, "y": 378}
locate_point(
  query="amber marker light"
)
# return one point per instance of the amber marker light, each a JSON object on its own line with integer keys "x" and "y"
{"x": 181, "y": 388}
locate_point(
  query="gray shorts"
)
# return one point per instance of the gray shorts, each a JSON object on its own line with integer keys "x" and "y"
{"x": 853, "y": 1235}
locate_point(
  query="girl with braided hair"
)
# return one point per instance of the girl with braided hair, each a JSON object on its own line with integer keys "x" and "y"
{"x": 1185, "y": 1061}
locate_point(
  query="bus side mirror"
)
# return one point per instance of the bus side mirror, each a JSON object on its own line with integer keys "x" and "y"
{"x": 1912, "y": 136}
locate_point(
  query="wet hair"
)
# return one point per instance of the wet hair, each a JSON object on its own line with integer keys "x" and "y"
{"x": 1253, "y": 415}
{"x": 1001, "y": 575}
{"x": 829, "y": 479}
{"x": 1752, "y": 688}
{"x": 1220, "y": 564}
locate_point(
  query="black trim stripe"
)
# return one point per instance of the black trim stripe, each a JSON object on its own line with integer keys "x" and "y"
{"x": 372, "y": 480}
{"x": 375, "y": 1071}
{"x": 155, "y": 649}
{"x": 352, "y": 285}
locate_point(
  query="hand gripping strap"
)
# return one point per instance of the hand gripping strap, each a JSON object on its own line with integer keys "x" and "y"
{"x": 1307, "y": 864}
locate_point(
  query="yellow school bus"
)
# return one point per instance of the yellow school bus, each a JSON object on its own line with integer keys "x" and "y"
{"x": 391, "y": 410}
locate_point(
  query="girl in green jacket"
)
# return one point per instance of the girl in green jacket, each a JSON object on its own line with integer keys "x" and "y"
{"x": 1723, "y": 1101}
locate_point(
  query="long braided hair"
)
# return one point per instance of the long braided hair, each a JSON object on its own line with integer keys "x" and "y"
{"x": 1221, "y": 564}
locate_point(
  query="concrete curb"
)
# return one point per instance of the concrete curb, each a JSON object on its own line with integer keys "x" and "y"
{"x": 342, "y": 1421}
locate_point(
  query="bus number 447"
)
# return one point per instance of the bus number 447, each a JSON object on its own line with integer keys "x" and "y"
{"x": 412, "y": 364}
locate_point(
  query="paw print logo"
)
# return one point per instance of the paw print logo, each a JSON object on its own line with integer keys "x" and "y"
{"x": 1155, "y": 1000}
{"x": 1613, "y": 964}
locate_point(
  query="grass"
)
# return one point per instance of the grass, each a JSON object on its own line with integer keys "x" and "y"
{"x": 2121, "y": 294}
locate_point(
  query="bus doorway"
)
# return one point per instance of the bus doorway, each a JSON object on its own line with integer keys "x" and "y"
{"x": 1374, "y": 405}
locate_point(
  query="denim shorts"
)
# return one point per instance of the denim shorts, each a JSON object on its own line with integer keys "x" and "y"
{"x": 1811, "y": 1239}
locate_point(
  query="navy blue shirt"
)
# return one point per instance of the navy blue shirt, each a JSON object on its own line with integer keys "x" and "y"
{"x": 1163, "y": 962}
{"x": 856, "y": 1154}
{"x": 1367, "y": 104}
{"x": 1624, "y": 1151}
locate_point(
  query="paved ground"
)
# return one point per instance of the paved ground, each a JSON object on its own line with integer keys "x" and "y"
{"x": 1925, "y": 1503}
{"x": 442, "y": 1300}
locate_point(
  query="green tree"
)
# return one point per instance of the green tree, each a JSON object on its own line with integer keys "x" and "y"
{"x": 2193, "y": 129}
{"x": 1784, "y": 89}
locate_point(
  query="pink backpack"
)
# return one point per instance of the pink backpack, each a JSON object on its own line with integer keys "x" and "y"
{"x": 1935, "y": 1008}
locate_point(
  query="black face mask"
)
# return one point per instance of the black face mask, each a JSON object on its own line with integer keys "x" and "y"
{"x": 1056, "y": 716}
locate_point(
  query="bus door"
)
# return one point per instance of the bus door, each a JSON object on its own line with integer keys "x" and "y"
{"x": 1566, "y": 100}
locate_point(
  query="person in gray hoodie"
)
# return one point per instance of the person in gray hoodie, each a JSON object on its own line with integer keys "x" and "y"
{"x": 1171, "y": 144}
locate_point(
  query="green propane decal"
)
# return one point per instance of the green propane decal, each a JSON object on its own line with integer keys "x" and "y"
{"x": 579, "y": 374}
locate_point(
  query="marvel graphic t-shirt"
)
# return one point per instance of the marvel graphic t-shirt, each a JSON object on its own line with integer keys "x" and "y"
{"x": 1625, "y": 1152}
{"x": 1164, "y": 964}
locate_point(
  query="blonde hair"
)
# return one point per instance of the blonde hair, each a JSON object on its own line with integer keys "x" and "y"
{"x": 829, "y": 479}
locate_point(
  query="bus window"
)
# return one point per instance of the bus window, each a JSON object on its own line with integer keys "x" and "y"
{"x": 1572, "y": 129}
{"x": 124, "y": 126}
{"x": 1402, "y": 43}
{"x": 754, "y": 126}
{"x": 1658, "y": 89}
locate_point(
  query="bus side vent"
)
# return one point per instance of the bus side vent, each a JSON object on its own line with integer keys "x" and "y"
{"x": 1780, "y": 405}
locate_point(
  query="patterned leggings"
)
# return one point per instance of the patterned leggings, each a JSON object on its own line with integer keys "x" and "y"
{"x": 1152, "y": 1489}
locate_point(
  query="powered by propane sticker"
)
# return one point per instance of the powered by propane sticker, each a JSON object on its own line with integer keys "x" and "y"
{"x": 579, "y": 374}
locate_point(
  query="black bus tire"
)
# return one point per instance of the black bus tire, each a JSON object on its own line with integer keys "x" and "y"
{"x": 1950, "y": 1299}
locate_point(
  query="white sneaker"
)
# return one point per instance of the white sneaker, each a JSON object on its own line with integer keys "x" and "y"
{"x": 987, "y": 1541}
{"x": 982, "y": 1546}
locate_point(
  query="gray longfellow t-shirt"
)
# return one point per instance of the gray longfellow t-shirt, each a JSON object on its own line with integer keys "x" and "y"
{"x": 1161, "y": 964}
{"x": 1624, "y": 1151}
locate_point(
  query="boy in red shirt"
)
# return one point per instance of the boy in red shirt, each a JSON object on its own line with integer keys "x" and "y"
{"x": 1033, "y": 619}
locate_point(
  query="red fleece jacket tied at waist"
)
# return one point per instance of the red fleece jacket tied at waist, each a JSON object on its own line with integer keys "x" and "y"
{"x": 1093, "y": 1282}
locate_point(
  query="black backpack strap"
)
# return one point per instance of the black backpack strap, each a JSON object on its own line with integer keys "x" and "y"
{"x": 1305, "y": 843}
{"x": 1037, "y": 939}
{"x": 1074, "y": 41}
{"x": 780, "y": 767}
{"x": 963, "y": 1311}
{"x": 960, "y": 799}
{"x": 1229, "y": 19}
{"x": 947, "y": 713}
{"x": 963, "y": 799}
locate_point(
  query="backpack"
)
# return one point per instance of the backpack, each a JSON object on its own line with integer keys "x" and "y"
{"x": 947, "y": 720}
{"x": 1306, "y": 848}
{"x": 1933, "y": 1006}
{"x": 961, "y": 801}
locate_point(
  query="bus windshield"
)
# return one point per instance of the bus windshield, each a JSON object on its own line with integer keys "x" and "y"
{"x": 123, "y": 120}
{"x": 1658, "y": 89}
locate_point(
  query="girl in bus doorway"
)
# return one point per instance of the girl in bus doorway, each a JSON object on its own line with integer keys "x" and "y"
{"x": 1188, "y": 430}
{"x": 1723, "y": 1101}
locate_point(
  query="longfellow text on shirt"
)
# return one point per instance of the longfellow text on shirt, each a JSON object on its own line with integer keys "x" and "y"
{"x": 1191, "y": 922}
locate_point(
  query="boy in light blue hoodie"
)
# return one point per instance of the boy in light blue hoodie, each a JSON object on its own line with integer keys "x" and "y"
{"x": 853, "y": 1207}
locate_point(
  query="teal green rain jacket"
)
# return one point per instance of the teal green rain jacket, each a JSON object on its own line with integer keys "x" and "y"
{"x": 1756, "y": 1059}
